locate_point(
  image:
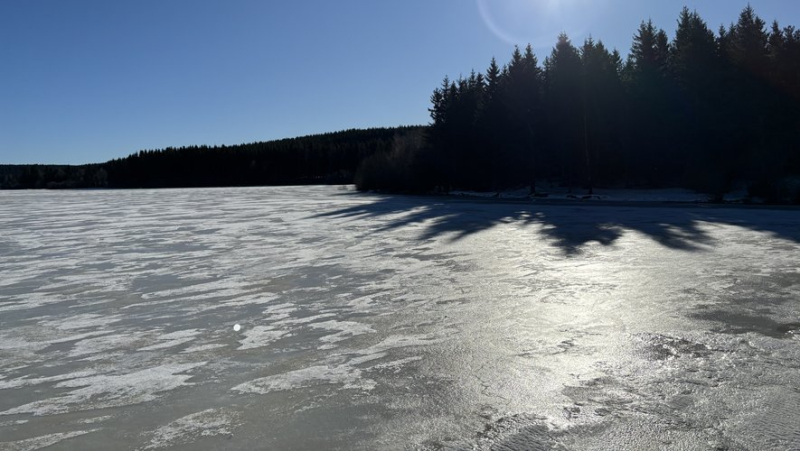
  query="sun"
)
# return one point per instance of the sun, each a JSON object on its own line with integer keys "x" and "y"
{"x": 537, "y": 22}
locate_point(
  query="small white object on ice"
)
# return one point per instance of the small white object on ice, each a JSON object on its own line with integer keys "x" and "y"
{"x": 237, "y": 328}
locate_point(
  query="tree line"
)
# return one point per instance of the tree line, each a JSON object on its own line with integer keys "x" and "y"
{"x": 331, "y": 158}
{"x": 702, "y": 110}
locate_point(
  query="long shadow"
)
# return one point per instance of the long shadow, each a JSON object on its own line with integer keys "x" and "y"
{"x": 569, "y": 226}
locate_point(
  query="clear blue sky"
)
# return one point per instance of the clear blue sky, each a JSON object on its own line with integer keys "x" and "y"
{"x": 86, "y": 81}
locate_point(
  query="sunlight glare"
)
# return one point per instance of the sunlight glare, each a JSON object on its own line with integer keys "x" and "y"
{"x": 537, "y": 22}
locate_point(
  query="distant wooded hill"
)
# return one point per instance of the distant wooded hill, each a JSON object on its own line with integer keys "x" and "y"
{"x": 329, "y": 158}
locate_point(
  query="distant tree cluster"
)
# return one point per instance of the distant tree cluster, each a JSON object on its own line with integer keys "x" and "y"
{"x": 33, "y": 176}
{"x": 316, "y": 159}
{"x": 702, "y": 110}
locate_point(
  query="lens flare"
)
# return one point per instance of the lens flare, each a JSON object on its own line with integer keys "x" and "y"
{"x": 538, "y": 22}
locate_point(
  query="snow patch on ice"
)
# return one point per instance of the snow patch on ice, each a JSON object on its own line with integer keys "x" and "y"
{"x": 610, "y": 195}
{"x": 396, "y": 364}
{"x": 4, "y": 424}
{"x": 173, "y": 339}
{"x": 347, "y": 329}
{"x": 362, "y": 303}
{"x": 305, "y": 320}
{"x": 188, "y": 429}
{"x": 180, "y": 334}
{"x": 25, "y": 381}
{"x": 166, "y": 344}
{"x": 18, "y": 340}
{"x": 104, "y": 391}
{"x": 345, "y": 374}
{"x": 400, "y": 341}
{"x": 306, "y": 377}
{"x": 260, "y": 336}
{"x": 42, "y": 441}
{"x": 83, "y": 321}
{"x": 105, "y": 343}
{"x": 202, "y": 348}
{"x": 96, "y": 420}
{"x": 31, "y": 300}
{"x": 279, "y": 311}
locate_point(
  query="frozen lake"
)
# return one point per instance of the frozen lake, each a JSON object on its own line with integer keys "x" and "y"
{"x": 380, "y": 322}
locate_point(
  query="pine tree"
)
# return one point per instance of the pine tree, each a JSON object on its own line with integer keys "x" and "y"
{"x": 564, "y": 84}
{"x": 521, "y": 91}
{"x": 652, "y": 118}
{"x": 749, "y": 43}
{"x": 602, "y": 92}
{"x": 491, "y": 124}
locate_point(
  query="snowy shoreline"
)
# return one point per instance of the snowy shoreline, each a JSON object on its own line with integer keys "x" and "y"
{"x": 676, "y": 197}
{"x": 669, "y": 197}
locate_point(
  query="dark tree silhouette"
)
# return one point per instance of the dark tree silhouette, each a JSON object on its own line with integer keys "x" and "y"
{"x": 703, "y": 111}
{"x": 324, "y": 158}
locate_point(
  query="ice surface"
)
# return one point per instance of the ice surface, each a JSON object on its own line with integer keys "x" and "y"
{"x": 42, "y": 441}
{"x": 392, "y": 322}
{"x": 344, "y": 330}
{"x": 104, "y": 391}
{"x": 173, "y": 339}
{"x": 190, "y": 428}
{"x": 302, "y": 378}
{"x": 260, "y": 336}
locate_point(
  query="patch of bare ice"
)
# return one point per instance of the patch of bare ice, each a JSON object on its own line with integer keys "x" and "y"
{"x": 166, "y": 344}
{"x": 361, "y": 303}
{"x": 305, "y": 320}
{"x": 380, "y": 350}
{"x": 31, "y": 300}
{"x": 202, "y": 348}
{"x": 173, "y": 339}
{"x": 179, "y": 334}
{"x": 346, "y": 329}
{"x": 104, "y": 391}
{"x": 82, "y": 321}
{"x": 260, "y": 336}
{"x": 400, "y": 341}
{"x": 188, "y": 429}
{"x": 204, "y": 290}
{"x": 41, "y": 441}
{"x": 279, "y": 311}
{"x": 95, "y": 420}
{"x": 306, "y": 377}
{"x": 346, "y": 374}
{"x": 255, "y": 299}
{"x": 396, "y": 364}
{"x": 26, "y": 381}
{"x": 105, "y": 343}
{"x": 12, "y": 423}
{"x": 17, "y": 340}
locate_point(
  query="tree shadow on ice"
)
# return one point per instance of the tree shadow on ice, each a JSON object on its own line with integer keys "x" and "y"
{"x": 568, "y": 226}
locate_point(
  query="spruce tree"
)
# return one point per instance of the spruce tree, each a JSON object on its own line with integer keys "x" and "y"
{"x": 564, "y": 85}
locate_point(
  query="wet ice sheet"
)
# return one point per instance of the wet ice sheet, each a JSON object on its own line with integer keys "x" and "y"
{"x": 379, "y": 322}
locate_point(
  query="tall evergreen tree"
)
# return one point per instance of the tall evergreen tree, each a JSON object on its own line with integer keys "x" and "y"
{"x": 602, "y": 92}
{"x": 748, "y": 43}
{"x": 652, "y": 118}
{"x": 702, "y": 132}
{"x": 522, "y": 99}
{"x": 563, "y": 88}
